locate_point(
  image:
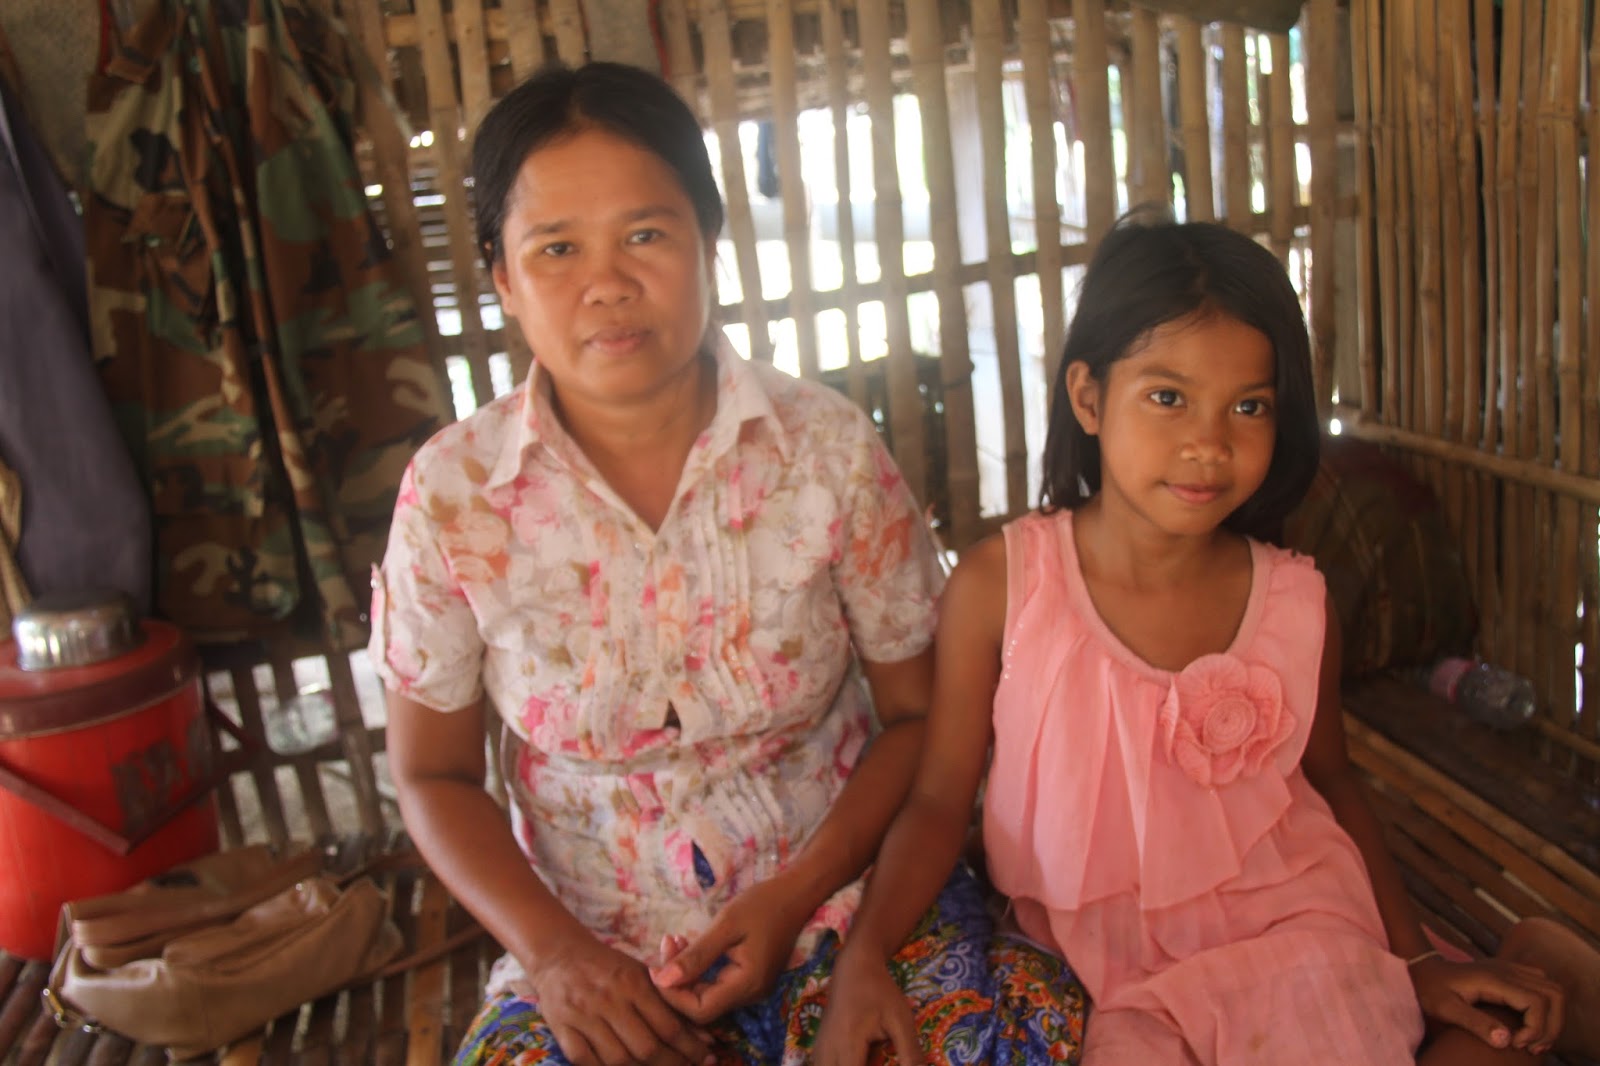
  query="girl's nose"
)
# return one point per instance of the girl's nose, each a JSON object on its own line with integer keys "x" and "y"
{"x": 1209, "y": 443}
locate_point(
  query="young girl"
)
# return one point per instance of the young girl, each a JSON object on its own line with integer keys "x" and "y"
{"x": 1169, "y": 803}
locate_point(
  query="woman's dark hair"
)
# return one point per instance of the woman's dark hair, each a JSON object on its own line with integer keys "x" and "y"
{"x": 1149, "y": 271}
{"x": 559, "y": 101}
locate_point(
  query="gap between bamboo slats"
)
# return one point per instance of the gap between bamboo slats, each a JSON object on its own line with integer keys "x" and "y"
{"x": 796, "y": 226}
{"x": 716, "y": 39}
{"x": 1526, "y": 514}
{"x": 1402, "y": 89}
{"x": 270, "y": 801}
{"x": 1038, "y": 65}
{"x": 356, "y": 742}
{"x": 1322, "y": 60}
{"x": 1507, "y": 51}
{"x": 839, "y": 100}
{"x": 1091, "y": 63}
{"x": 566, "y": 23}
{"x": 1144, "y": 122}
{"x": 313, "y": 801}
{"x": 1198, "y": 197}
{"x": 988, "y": 40}
{"x": 1590, "y": 721}
{"x": 1239, "y": 206}
{"x": 1543, "y": 596}
{"x": 392, "y": 170}
{"x": 1282, "y": 183}
{"x": 905, "y": 402}
{"x": 1563, "y": 60}
{"x": 1463, "y": 281}
{"x": 444, "y": 113}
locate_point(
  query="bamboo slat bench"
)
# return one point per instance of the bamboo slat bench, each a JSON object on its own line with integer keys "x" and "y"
{"x": 335, "y": 794}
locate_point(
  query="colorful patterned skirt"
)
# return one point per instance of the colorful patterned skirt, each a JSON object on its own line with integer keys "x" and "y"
{"x": 980, "y": 997}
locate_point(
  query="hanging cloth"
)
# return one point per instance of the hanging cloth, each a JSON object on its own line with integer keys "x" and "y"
{"x": 262, "y": 353}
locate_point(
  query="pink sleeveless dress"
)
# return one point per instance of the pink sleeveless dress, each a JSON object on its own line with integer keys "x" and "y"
{"x": 1156, "y": 829}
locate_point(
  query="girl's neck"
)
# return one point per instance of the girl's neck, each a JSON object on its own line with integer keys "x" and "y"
{"x": 1124, "y": 550}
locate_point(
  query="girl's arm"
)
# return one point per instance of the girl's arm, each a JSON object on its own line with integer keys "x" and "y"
{"x": 928, "y": 834}
{"x": 1447, "y": 992}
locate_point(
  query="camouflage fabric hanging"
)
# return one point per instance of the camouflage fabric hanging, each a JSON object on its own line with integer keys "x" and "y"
{"x": 259, "y": 348}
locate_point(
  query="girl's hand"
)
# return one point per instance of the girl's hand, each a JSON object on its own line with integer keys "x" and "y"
{"x": 738, "y": 959}
{"x": 603, "y": 1010}
{"x": 864, "y": 1006}
{"x": 1449, "y": 992}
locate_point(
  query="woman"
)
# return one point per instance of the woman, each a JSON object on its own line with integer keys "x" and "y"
{"x": 668, "y": 572}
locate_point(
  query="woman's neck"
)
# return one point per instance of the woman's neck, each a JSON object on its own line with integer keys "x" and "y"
{"x": 640, "y": 448}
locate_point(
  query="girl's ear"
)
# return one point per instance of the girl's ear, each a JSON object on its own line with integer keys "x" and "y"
{"x": 1085, "y": 395}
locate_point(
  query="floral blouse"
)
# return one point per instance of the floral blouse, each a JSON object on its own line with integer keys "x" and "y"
{"x": 683, "y": 705}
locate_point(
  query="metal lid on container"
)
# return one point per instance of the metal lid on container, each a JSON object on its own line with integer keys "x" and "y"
{"x": 75, "y": 630}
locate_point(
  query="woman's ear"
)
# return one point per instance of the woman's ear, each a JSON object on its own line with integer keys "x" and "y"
{"x": 1085, "y": 395}
{"x": 502, "y": 286}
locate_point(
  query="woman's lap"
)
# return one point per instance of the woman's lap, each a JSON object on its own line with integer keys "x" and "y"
{"x": 980, "y": 998}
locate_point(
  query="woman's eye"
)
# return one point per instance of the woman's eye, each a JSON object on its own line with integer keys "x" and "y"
{"x": 556, "y": 249}
{"x": 1254, "y": 408}
{"x": 1166, "y": 397}
{"x": 644, "y": 236}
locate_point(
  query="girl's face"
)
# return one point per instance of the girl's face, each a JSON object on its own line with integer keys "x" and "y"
{"x": 1186, "y": 422}
{"x": 605, "y": 270}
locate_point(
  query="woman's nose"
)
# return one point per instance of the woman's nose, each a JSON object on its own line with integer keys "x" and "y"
{"x": 609, "y": 280}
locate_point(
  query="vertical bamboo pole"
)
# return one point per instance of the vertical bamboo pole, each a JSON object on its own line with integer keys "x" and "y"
{"x": 1033, "y": 31}
{"x": 1489, "y": 587}
{"x": 905, "y": 403}
{"x": 925, "y": 43}
{"x": 1402, "y": 89}
{"x": 1091, "y": 60}
{"x": 796, "y": 226}
{"x": 444, "y": 113}
{"x": 1510, "y": 53}
{"x": 1282, "y": 199}
{"x": 1386, "y": 233}
{"x": 566, "y": 18}
{"x": 1366, "y": 254}
{"x": 674, "y": 16}
{"x": 839, "y": 107}
{"x": 988, "y": 40}
{"x": 1239, "y": 210}
{"x": 717, "y": 40}
{"x": 523, "y": 38}
{"x": 1462, "y": 276}
{"x": 1530, "y": 510}
{"x": 1146, "y": 127}
{"x": 1564, "y": 78}
{"x": 390, "y": 156}
{"x": 1590, "y": 723}
{"x": 1198, "y": 196}
{"x": 472, "y": 60}
{"x": 1430, "y": 307}
{"x": 1322, "y": 55}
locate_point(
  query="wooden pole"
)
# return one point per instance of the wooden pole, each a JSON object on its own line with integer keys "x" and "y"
{"x": 1033, "y": 31}
{"x": 1322, "y": 53}
{"x": 1281, "y": 176}
{"x": 1146, "y": 127}
{"x": 1239, "y": 208}
{"x": 796, "y": 226}
{"x": 1590, "y": 721}
{"x": 905, "y": 401}
{"x": 674, "y": 16}
{"x": 566, "y": 18}
{"x": 833, "y": 48}
{"x": 1091, "y": 60}
{"x": 1199, "y": 198}
{"x": 925, "y": 43}
{"x": 1366, "y": 253}
{"x": 716, "y": 38}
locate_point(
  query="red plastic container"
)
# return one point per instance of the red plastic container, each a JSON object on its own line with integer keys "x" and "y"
{"x": 105, "y": 779}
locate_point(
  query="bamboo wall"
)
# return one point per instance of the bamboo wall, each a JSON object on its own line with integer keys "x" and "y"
{"x": 1106, "y": 105}
{"x": 1477, "y": 358}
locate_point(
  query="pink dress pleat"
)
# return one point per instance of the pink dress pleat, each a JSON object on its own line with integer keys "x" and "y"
{"x": 1155, "y": 827}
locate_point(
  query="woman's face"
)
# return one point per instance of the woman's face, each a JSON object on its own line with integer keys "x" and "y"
{"x": 605, "y": 270}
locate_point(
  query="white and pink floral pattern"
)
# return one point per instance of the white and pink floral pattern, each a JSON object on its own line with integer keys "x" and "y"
{"x": 688, "y": 688}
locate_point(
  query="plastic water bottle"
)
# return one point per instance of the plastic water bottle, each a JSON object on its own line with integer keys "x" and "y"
{"x": 1485, "y": 693}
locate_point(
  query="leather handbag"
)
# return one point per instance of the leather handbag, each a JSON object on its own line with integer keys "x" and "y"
{"x": 214, "y": 949}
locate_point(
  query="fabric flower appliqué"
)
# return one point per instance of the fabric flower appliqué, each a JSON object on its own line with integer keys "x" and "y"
{"x": 1222, "y": 718}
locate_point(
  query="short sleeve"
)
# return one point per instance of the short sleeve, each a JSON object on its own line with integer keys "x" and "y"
{"x": 425, "y": 643}
{"x": 887, "y": 570}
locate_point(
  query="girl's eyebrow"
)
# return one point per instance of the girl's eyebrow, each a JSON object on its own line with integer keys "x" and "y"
{"x": 1156, "y": 370}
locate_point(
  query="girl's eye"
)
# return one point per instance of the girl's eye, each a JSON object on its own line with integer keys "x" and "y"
{"x": 1166, "y": 397}
{"x": 1254, "y": 408}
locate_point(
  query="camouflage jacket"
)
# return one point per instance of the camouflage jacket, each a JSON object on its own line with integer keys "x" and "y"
{"x": 260, "y": 351}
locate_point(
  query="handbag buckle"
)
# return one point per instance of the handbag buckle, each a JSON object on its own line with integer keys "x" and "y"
{"x": 64, "y": 1016}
